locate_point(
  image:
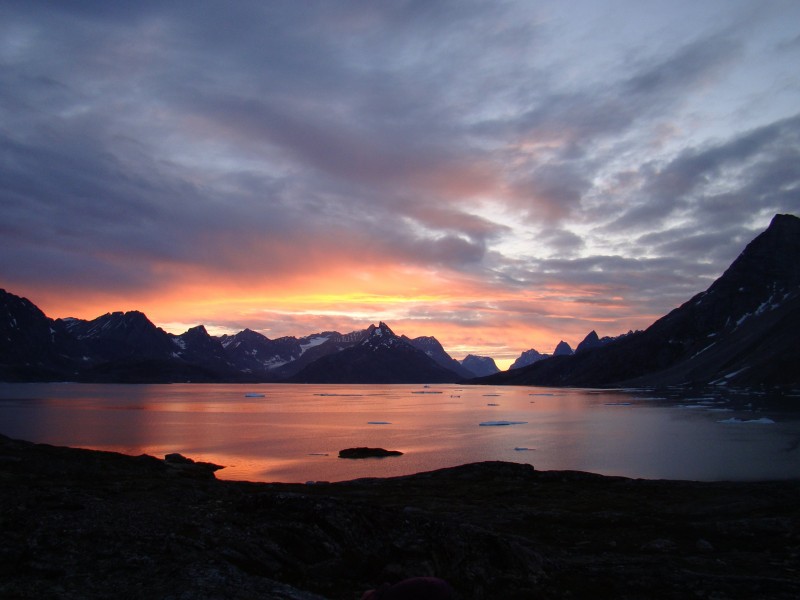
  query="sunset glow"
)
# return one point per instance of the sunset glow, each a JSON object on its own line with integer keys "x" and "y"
{"x": 501, "y": 176}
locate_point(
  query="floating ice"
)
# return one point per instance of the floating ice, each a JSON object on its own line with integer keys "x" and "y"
{"x": 318, "y": 454}
{"x": 761, "y": 421}
{"x": 492, "y": 404}
{"x": 520, "y": 449}
{"x": 253, "y": 395}
{"x": 501, "y": 423}
{"x": 378, "y": 423}
{"x": 619, "y": 403}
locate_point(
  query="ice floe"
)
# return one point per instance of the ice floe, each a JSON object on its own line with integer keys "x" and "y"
{"x": 253, "y": 395}
{"x": 379, "y": 423}
{"x": 523, "y": 449}
{"x": 501, "y": 423}
{"x": 761, "y": 421}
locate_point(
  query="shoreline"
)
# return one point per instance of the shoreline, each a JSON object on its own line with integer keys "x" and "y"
{"x": 80, "y": 523}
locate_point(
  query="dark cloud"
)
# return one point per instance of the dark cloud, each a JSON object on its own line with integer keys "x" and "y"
{"x": 725, "y": 184}
{"x": 143, "y": 142}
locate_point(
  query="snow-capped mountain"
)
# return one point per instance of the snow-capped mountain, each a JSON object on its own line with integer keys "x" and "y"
{"x": 380, "y": 356}
{"x": 252, "y": 352}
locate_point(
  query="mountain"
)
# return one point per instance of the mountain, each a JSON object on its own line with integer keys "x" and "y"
{"x": 528, "y": 357}
{"x": 122, "y": 336}
{"x": 379, "y": 357}
{"x": 562, "y": 349}
{"x": 254, "y": 353}
{"x": 479, "y": 366}
{"x": 34, "y": 347}
{"x": 128, "y": 347}
{"x": 593, "y": 341}
{"x": 197, "y": 347}
{"x": 741, "y": 331}
{"x": 115, "y": 347}
{"x": 318, "y": 345}
{"x": 431, "y": 346}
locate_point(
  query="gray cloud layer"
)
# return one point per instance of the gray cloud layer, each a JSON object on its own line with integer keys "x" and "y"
{"x": 257, "y": 138}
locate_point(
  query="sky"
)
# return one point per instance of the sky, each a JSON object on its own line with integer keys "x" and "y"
{"x": 501, "y": 175}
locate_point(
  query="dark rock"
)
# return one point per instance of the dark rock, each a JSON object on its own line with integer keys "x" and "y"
{"x": 187, "y": 466}
{"x": 364, "y": 452}
{"x": 179, "y": 459}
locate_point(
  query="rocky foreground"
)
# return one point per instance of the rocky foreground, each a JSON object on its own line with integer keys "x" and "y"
{"x": 86, "y": 524}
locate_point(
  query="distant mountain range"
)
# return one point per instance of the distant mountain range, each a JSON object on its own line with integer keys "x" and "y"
{"x": 127, "y": 347}
{"x": 743, "y": 331}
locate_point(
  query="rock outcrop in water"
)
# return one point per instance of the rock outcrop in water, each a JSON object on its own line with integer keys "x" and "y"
{"x": 85, "y": 524}
{"x": 364, "y": 452}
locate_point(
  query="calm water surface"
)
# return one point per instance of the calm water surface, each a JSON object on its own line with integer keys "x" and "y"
{"x": 294, "y": 432}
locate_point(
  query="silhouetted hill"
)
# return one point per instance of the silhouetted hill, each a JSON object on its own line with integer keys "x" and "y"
{"x": 742, "y": 331}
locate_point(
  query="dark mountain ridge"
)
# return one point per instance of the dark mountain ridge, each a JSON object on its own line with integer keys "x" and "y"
{"x": 742, "y": 330}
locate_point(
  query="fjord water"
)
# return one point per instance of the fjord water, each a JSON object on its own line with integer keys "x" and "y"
{"x": 283, "y": 432}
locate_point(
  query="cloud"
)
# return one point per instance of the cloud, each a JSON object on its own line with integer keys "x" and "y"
{"x": 503, "y": 152}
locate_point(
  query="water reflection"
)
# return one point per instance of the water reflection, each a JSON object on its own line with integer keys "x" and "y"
{"x": 294, "y": 432}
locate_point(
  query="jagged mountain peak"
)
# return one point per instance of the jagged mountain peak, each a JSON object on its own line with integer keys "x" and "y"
{"x": 379, "y": 330}
{"x": 562, "y": 349}
{"x": 528, "y": 357}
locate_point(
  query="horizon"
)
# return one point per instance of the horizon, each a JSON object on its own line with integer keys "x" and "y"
{"x": 498, "y": 176}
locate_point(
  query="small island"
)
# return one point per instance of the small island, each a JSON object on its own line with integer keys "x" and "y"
{"x": 364, "y": 452}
